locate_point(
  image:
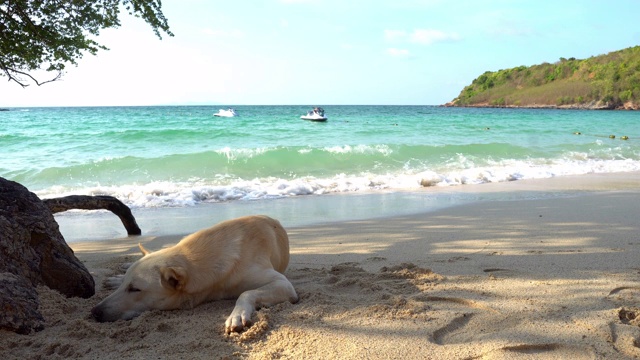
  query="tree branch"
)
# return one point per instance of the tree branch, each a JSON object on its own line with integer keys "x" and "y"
{"x": 10, "y": 73}
{"x": 85, "y": 202}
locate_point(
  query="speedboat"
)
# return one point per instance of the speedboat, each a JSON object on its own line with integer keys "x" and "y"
{"x": 226, "y": 113}
{"x": 317, "y": 114}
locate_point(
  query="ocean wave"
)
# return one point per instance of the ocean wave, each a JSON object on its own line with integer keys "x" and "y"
{"x": 183, "y": 156}
{"x": 223, "y": 165}
{"x": 198, "y": 190}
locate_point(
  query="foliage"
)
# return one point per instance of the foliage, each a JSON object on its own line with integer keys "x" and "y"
{"x": 606, "y": 81}
{"x": 51, "y": 34}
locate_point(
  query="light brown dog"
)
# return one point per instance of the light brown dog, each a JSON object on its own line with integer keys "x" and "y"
{"x": 243, "y": 258}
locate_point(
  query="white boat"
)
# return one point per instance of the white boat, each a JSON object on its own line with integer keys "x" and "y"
{"x": 226, "y": 113}
{"x": 317, "y": 114}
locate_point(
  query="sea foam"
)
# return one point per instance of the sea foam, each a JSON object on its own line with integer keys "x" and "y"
{"x": 190, "y": 193}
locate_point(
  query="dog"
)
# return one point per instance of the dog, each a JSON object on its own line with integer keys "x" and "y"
{"x": 243, "y": 258}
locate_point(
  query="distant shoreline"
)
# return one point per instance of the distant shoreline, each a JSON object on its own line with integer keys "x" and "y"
{"x": 553, "y": 107}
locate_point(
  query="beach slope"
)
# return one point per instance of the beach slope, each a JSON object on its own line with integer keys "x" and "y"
{"x": 549, "y": 278}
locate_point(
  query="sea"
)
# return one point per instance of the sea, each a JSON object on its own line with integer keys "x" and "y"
{"x": 183, "y": 156}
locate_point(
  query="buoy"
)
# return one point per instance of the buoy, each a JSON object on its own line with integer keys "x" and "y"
{"x": 624, "y": 137}
{"x": 577, "y": 133}
{"x": 612, "y": 136}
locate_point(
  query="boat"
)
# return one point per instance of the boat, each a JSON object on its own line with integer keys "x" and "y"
{"x": 226, "y": 113}
{"x": 317, "y": 114}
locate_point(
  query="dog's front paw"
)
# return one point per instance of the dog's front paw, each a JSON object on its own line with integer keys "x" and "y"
{"x": 237, "y": 322}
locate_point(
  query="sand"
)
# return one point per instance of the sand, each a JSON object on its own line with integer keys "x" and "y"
{"x": 550, "y": 276}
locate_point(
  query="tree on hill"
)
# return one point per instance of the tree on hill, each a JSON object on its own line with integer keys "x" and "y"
{"x": 51, "y": 34}
{"x": 606, "y": 81}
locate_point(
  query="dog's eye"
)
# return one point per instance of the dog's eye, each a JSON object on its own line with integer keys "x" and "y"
{"x": 132, "y": 288}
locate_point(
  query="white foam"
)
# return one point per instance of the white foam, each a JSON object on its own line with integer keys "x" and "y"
{"x": 360, "y": 149}
{"x": 240, "y": 153}
{"x": 460, "y": 171}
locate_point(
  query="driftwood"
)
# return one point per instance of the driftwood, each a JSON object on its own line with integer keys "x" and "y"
{"x": 85, "y": 202}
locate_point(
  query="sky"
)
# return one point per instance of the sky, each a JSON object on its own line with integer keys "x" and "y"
{"x": 329, "y": 52}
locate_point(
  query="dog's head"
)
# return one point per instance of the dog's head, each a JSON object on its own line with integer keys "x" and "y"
{"x": 151, "y": 283}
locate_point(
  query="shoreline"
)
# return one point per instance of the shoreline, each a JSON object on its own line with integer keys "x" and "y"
{"x": 309, "y": 210}
{"x": 351, "y": 211}
{"x": 542, "y": 269}
{"x": 626, "y": 106}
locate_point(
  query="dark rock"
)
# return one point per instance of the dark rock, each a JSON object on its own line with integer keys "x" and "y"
{"x": 32, "y": 248}
{"x": 19, "y": 305}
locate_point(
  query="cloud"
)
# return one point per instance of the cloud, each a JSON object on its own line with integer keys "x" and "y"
{"x": 430, "y": 36}
{"x": 223, "y": 33}
{"x": 420, "y": 36}
{"x": 393, "y": 35}
{"x": 511, "y": 31}
{"x": 398, "y": 52}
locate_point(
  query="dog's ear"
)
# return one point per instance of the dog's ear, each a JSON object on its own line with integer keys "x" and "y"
{"x": 145, "y": 252}
{"x": 174, "y": 277}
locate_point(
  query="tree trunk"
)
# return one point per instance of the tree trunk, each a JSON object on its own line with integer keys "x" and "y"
{"x": 85, "y": 202}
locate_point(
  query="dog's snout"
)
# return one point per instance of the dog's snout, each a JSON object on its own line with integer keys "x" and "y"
{"x": 97, "y": 314}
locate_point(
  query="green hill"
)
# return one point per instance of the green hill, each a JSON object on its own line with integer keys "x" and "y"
{"x": 610, "y": 81}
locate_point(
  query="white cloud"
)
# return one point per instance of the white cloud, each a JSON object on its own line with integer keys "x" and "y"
{"x": 398, "y": 52}
{"x": 223, "y": 33}
{"x": 511, "y": 31}
{"x": 430, "y": 36}
{"x": 420, "y": 36}
{"x": 393, "y": 35}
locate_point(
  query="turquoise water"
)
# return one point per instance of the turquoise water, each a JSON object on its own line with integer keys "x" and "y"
{"x": 182, "y": 155}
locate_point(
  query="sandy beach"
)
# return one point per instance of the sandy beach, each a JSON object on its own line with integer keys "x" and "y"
{"x": 540, "y": 269}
